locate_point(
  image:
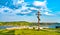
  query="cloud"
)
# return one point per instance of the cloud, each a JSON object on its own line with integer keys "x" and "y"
{"x": 49, "y": 14}
{"x": 33, "y": 8}
{"x": 43, "y": 7}
{"x": 23, "y": 10}
{"x": 39, "y": 3}
{"x": 16, "y": 2}
{"x": 27, "y": 10}
{"x": 5, "y": 9}
{"x": 42, "y": 4}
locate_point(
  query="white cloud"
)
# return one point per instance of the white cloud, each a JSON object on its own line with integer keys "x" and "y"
{"x": 16, "y": 10}
{"x": 5, "y": 8}
{"x": 16, "y": 2}
{"x": 22, "y": 11}
{"x": 23, "y": 6}
{"x": 33, "y": 8}
{"x": 39, "y": 3}
{"x": 28, "y": 11}
{"x": 25, "y": 9}
{"x": 43, "y": 4}
{"x": 49, "y": 14}
{"x": 19, "y": 10}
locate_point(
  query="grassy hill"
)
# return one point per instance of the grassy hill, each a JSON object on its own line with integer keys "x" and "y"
{"x": 23, "y": 23}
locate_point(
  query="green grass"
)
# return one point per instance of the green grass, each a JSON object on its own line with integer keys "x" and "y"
{"x": 7, "y": 32}
{"x": 28, "y": 32}
{"x": 35, "y": 32}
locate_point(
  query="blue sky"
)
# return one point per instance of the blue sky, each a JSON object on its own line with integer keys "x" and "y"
{"x": 25, "y": 10}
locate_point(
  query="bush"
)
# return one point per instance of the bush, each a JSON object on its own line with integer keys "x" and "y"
{"x": 33, "y": 27}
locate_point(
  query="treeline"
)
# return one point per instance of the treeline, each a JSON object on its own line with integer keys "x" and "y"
{"x": 23, "y": 23}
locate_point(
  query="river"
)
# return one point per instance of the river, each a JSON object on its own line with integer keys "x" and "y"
{"x": 49, "y": 26}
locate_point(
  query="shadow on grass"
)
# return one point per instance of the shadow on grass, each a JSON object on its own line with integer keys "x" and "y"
{"x": 10, "y": 32}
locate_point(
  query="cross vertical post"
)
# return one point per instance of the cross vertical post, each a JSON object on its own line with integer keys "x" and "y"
{"x": 38, "y": 16}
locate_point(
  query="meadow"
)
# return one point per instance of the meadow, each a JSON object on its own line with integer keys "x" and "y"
{"x": 29, "y": 32}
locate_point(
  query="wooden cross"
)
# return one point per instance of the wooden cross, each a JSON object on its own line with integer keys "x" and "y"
{"x": 38, "y": 16}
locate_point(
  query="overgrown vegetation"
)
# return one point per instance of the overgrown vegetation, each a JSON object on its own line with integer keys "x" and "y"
{"x": 28, "y": 32}
{"x": 23, "y": 23}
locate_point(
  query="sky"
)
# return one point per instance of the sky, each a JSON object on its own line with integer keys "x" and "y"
{"x": 26, "y": 10}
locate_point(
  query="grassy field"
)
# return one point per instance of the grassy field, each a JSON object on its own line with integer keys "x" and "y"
{"x": 28, "y": 32}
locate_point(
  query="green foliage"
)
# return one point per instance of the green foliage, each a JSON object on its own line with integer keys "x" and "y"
{"x": 33, "y": 27}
